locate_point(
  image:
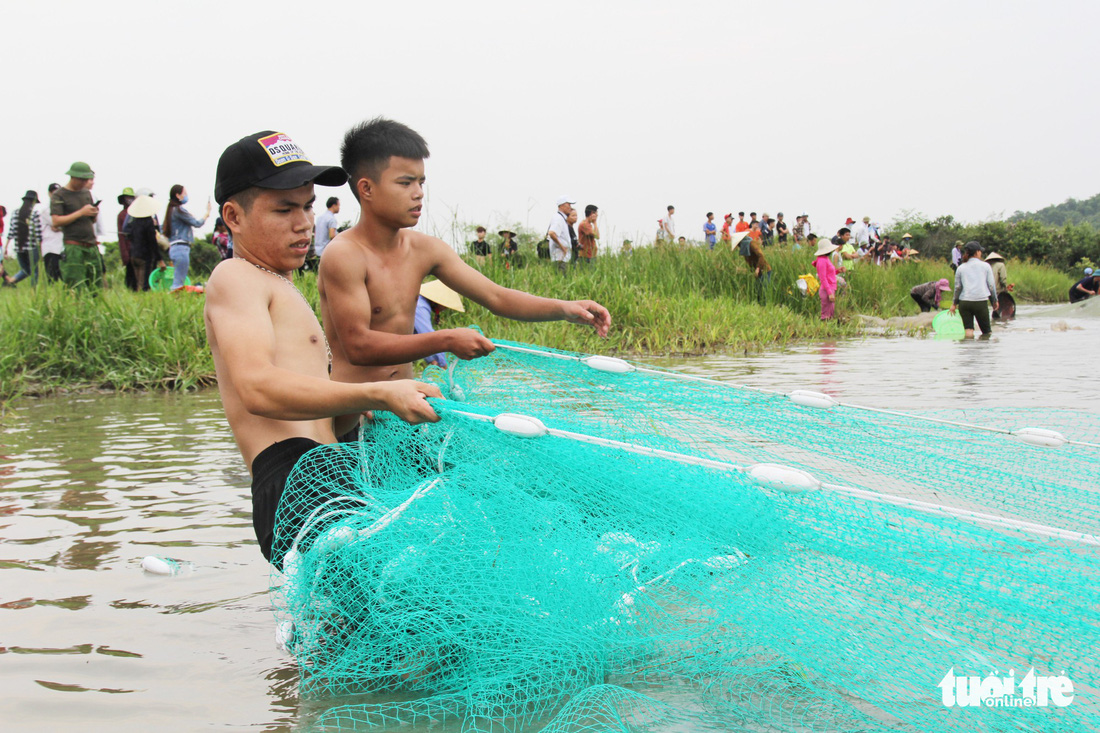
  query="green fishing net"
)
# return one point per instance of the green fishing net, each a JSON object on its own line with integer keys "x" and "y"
{"x": 658, "y": 553}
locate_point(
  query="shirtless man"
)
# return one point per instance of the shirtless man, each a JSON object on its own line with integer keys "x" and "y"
{"x": 269, "y": 351}
{"x": 371, "y": 274}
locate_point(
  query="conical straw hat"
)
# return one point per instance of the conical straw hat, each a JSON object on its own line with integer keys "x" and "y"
{"x": 437, "y": 292}
{"x": 142, "y": 207}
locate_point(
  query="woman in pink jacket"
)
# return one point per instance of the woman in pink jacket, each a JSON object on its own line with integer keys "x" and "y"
{"x": 826, "y": 276}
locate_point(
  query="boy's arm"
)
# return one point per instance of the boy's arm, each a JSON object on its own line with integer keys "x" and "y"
{"x": 238, "y": 322}
{"x": 514, "y": 304}
{"x": 348, "y": 308}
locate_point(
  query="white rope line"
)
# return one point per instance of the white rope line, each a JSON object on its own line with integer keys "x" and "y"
{"x": 730, "y": 385}
{"x": 966, "y": 514}
{"x": 873, "y": 496}
{"x": 627, "y": 447}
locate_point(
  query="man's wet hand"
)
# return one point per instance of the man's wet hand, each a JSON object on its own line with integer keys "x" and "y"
{"x": 466, "y": 343}
{"x": 409, "y": 400}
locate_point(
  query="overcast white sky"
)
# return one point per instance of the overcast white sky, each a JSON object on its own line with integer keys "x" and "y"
{"x": 840, "y": 108}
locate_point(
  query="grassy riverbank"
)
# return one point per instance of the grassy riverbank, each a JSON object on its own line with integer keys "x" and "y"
{"x": 51, "y": 338}
{"x": 697, "y": 301}
{"x": 662, "y": 302}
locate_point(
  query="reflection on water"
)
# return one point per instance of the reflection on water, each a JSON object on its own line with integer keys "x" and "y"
{"x": 89, "y": 485}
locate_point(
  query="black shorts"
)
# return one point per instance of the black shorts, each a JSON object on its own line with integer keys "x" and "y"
{"x": 270, "y": 470}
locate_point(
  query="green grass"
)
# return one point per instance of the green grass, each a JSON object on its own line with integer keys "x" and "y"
{"x": 52, "y": 338}
{"x": 694, "y": 301}
{"x": 662, "y": 302}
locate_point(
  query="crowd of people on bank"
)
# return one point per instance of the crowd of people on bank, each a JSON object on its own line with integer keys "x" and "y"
{"x": 984, "y": 279}
{"x": 63, "y": 231}
{"x": 66, "y": 229}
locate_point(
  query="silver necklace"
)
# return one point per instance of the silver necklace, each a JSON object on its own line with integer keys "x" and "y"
{"x": 328, "y": 349}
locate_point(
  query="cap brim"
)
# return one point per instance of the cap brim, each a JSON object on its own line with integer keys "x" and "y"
{"x": 296, "y": 176}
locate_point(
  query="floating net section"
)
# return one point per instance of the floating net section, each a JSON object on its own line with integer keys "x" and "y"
{"x": 970, "y": 460}
{"x": 656, "y": 554}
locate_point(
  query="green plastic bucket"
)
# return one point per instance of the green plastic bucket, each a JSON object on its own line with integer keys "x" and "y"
{"x": 161, "y": 279}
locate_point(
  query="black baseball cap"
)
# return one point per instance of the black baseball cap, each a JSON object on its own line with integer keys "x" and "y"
{"x": 973, "y": 247}
{"x": 270, "y": 159}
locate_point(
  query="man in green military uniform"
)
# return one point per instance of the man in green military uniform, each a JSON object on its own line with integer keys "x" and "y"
{"x": 72, "y": 209}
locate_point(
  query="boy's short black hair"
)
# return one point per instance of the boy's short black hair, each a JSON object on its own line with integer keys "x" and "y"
{"x": 740, "y": 213}
{"x": 479, "y": 229}
{"x": 842, "y": 231}
{"x": 368, "y": 147}
{"x": 812, "y": 237}
{"x": 589, "y": 209}
{"x": 671, "y": 207}
{"x": 682, "y": 239}
{"x": 332, "y": 201}
{"x": 752, "y": 213}
{"x": 710, "y": 214}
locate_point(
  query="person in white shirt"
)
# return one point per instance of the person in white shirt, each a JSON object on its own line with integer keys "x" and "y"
{"x": 561, "y": 244}
{"x": 52, "y": 245}
{"x": 975, "y": 291}
{"x": 862, "y": 233}
{"x": 668, "y": 226}
{"x": 324, "y": 229}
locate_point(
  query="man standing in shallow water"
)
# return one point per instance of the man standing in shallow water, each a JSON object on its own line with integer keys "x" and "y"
{"x": 270, "y": 352}
{"x": 371, "y": 274}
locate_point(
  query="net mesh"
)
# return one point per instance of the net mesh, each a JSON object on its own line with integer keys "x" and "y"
{"x": 631, "y": 569}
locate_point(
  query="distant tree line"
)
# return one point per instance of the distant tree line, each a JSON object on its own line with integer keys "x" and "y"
{"x": 1066, "y": 236}
{"x": 1071, "y": 211}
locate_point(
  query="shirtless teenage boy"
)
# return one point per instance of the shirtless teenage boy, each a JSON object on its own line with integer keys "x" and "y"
{"x": 269, "y": 351}
{"x": 371, "y": 274}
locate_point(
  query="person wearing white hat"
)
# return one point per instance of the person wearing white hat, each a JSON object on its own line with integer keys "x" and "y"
{"x": 826, "y": 276}
{"x": 434, "y": 297}
{"x": 141, "y": 225}
{"x": 1006, "y": 304}
{"x": 561, "y": 244}
{"x": 1000, "y": 273}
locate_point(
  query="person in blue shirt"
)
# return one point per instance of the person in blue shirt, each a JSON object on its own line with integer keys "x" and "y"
{"x": 179, "y": 227}
{"x": 765, "y": 230}
{"x": 710, "y": 230}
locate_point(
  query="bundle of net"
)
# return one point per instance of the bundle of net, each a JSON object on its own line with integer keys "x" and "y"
{"x": 921, "y": 457}
{"x": 456, "y": 576}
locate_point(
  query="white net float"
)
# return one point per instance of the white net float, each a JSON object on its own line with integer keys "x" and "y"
{"x": 783, "y": 478}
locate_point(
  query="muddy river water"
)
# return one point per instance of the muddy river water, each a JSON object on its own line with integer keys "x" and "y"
{"x": 91, "y": 484}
